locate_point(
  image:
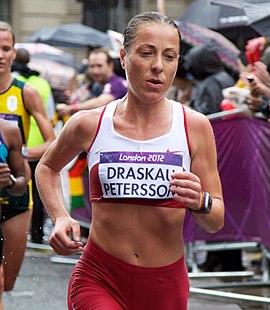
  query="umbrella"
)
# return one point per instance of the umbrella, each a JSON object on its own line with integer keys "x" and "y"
{"x": 66, "y": 59}
{"x": 71, "y": 35}
{"x": 207, "y": 14}
{"x": 39, "y": 48}
{"x": 58, "y": 75}
{"x": 257, "y": 12}
{"x": 231, "y": 21}
{"x": 45, "y": 51}
{"x": 117, "y": 41}
{"x": 193, "y": 35}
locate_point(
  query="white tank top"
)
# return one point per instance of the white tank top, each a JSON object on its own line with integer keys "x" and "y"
{"x": 123, "y": 170}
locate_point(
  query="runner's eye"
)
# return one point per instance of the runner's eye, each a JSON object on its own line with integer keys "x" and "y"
{"x": 146, "y": 53}
{"x": 170, "y": 57}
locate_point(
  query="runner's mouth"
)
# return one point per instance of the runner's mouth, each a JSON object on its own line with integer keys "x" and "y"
{"x": 154, "y": 81}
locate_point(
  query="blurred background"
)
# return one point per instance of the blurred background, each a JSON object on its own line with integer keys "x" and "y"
{"x": 27, "y": 16}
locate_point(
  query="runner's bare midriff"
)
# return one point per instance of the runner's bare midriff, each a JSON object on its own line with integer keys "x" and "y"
{"x": 150, "y": 246}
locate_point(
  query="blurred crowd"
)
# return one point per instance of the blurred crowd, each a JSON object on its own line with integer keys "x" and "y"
{"x": 205, "y": 84}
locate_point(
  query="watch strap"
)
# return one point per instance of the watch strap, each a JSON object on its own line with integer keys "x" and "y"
{"x": 13, "y": 180}
{"x": 206, "y": 205}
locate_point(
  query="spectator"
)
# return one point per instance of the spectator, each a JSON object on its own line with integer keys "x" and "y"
{"x": 210, "y": 77}
{"x": 101, "y": 68}
{"x": 259, "y": 84}
{"x": 87, "y": 88}
{"x": 255, "y": 48}
{"x": 181, "y": 88}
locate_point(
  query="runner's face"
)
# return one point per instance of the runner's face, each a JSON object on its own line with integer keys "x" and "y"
{"x": 7, "y": 52}
{"x": 99, "y": 68}
{"x": 151, "y": 61}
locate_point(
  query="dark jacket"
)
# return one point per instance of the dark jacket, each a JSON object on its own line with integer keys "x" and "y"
{"x": 22, "y": 69}
{"x": 210, "y": 78}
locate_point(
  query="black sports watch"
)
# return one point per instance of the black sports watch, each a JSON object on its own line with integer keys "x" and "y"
{"x": 206, "y": 205}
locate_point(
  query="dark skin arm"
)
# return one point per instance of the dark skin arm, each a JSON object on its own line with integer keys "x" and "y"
{"x": 15, "y": 161}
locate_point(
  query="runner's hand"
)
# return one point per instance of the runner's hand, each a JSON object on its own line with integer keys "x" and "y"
{"x": 65, "y": 238}
{"x": 63, "y": 109}
{"x": 186, "y": 189}
{"x": 4, "y": 175}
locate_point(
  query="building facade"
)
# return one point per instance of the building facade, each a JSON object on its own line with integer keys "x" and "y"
{"x": 27, "y": 16}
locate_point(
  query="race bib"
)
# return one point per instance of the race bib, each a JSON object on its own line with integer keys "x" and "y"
{"x": 138, "y": 174}
{"x": 13, "y": 118}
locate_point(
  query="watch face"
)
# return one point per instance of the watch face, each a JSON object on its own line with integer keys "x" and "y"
{"x": 207, "y": 203}
{"x": 24, "y": 151}
{"x": 210, "y": 202}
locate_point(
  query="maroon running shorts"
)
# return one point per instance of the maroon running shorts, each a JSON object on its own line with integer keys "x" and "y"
{"x": 101, "y": 281}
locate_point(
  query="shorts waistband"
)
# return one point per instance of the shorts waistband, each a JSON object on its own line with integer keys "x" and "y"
{"x": 91, "y": 249}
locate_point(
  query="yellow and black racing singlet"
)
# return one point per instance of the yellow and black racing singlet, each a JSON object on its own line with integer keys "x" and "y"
{"x": 12, "y": 108}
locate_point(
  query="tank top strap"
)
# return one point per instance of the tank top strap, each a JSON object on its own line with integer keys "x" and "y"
{"x": 178, "y": 116}
{"x": 107, "y": 119}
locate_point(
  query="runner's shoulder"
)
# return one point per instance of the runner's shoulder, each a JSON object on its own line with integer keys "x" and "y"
{"x": 85, "y": 120}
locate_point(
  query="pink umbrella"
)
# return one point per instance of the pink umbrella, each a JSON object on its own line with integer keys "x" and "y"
{"x": 58, "y": 75}
{"x": 194, "y": 35}
{"x": 39, "y": 48}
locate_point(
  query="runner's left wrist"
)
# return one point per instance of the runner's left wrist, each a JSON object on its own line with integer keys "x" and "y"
{"x": 13, "y": 182}
{"x": 206, "y": 204}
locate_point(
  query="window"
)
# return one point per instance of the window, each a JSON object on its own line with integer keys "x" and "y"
{"x": 5, "y": 10}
